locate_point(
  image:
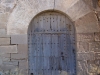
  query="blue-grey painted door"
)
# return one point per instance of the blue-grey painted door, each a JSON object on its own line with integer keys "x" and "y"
{"x": 51, "y": 45}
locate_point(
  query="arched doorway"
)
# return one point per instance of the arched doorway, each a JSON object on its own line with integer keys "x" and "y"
{"x": 51, "y": 41}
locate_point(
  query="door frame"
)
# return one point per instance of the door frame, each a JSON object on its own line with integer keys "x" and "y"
{"x": 74, "y": 32}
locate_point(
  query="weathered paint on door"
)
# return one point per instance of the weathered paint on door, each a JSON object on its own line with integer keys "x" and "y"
{"x": 51, "y": 45}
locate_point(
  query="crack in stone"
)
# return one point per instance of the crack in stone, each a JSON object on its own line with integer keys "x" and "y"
{"x": 96, "y": 14}
{"x": 54, "y": 5}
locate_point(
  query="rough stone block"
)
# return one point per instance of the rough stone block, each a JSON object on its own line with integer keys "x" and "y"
{"x": 85, "y": 56}
{"x": 19, "y": 56}
{"x": 2, "y": 31}
{"x": 23, "y": 72}
{"x": 97, "y": 62}
{"x": 3, "y": 17}
{"x": 97, "y": 56}
{"x": 78, "y": 37}
{"x": 90, "y": 4}
{"x": 98, "y": 15}
{"x": 4, "y": 36}
{"x": 85, "y": 37}
{"x": 23, "y": 49}
{"x": 11, "y": 63}
{"x": 15, "y": 71}
{"x": 87, "y": 24}
{"x": 4, "y": 57}
{"x": 64, "y": 4}
{"x": 92, "y": 68}
{"x": 82, "y": 68}
{"x": 23, "y": 64}
{"x": 90, "y": 61}
{"x": 94, "y": 46}
{"x": 7, "y": 67}
{"x": 22, "y": 52}
{"x": 4, "y": 41}
{"x": 19, "y": 39}
{"x": 97, "y": 36}
{"x": 2, "y": 9}
{"x": 78, "y": 10}
{"x": 83, "y": 46}
{"x": 95, "y": 5}
{"x": 2, "y": 25}
{"x": 9, "y": 5}
{"x": 8, "y": 49}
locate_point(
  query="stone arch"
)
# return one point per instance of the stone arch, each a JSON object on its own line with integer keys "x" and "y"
{"x": 51, "y": 10}
{"x": 25, "y": 10}
{"x": 67, "y": 32}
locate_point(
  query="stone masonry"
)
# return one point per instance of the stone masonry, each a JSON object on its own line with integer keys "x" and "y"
{"x": 15, "y": 17}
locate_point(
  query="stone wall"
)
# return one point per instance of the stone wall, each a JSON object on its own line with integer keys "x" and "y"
{"x": 13, "y": 55}
{"x": 88, "y": 41}
{"x": 13, "y": 48}
{"x": 15, "y": 16}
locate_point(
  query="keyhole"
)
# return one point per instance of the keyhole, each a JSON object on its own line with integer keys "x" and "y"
{"x": 32, "y": 74}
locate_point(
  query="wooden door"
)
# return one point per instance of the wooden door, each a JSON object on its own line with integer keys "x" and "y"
{"x": 51, "y": 45}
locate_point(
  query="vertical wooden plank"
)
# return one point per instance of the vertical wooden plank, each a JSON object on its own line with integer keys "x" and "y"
{"x": 33, "y": 53}
{"x": 47, "y": 22}
{"x": 54, "y": 22}
{"x": 29, "y": 46}
{"x": 44, "y": 59}
{"x": 63, "y": 18}
{"x": 62, "y": 49}
{"x": 31, "y": 56}
{"x": 41, "y": 23}
{"x": 54, "y": 40}
{"x": 61, "y": 23}
{"x": 34, "y": 45}
{"x": 65, "y": 54}
{"x": 40, "y": 55}
{"x": 46, "y": 44}
{"x": 71, "y": 59}
{"x": 39, "y": 45}
{"x": 55, "y": 51}
{"x": 53, "y": 45}
{"x": 46, "y": 48}
{"x": 36, "y": 24}
{"x": 58, "y": 22}
{"x": 44, "y": 23}
{"x": 36, "y": 61}
{"x": 42, "y": 62}
{"x": 56, "y": 45}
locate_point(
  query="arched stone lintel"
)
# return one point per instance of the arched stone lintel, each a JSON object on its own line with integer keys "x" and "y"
{"x": 24, "y": 12}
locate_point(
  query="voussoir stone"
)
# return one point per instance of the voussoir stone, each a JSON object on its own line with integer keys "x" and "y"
{"x": 73, "y": 8}
{"x": 87, "y": 24}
